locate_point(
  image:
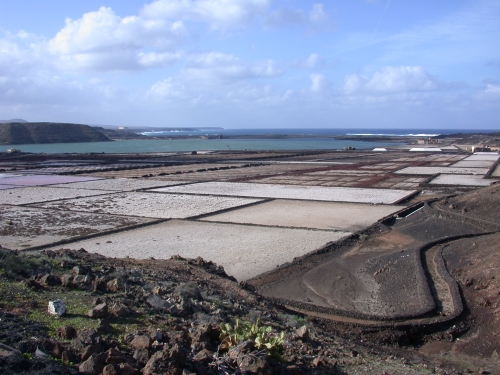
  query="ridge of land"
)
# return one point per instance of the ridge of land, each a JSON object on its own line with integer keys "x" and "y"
{"x": 14, "y": 133}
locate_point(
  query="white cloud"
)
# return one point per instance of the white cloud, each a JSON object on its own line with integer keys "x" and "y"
{"x": 312, "y": 60}
{"x": 17, "y": 55}
{"x": 168, "y": 88}
{"x": 153, "y": 59}
{"x": 250, "y": 92}
{"x": 224, "y": 14}
{"x": 285, "y": 16}
{"x": 319, "y": 83}
{"x": 217, "y": 13}
{"x": 318, "y": 14}
{"x": 490, "y": 94}
{"x": 214, "y": 75}
{"x": 289, "y": 16}
{"x": 101, "y": 40}
{"x": 464, "y": 36}
{"x": 392, "y": 80}
{"x": 43, "y": 89}
{"x": 216, "y": 68}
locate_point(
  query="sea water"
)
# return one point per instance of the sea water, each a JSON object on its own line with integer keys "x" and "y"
{"x": 302, "y": 139}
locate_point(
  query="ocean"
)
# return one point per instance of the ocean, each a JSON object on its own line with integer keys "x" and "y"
{"x": 303, "y": 139}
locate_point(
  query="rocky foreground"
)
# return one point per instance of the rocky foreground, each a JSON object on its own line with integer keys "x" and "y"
{"x": 164, "y": 317}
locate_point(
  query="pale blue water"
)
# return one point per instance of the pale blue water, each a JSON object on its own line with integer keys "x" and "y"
{"x": 177, "y": 145}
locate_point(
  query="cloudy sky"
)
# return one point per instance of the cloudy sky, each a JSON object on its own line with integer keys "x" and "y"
{"x": 252, "y": 63}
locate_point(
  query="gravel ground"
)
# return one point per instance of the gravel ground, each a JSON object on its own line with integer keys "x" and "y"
{"x": 244, "y": 251}
{"x": 320, "y": 215}
{"x": 22, "y": 227}
{"x": 436, "y": 170}
{"x": 473, "y": 164}
{"x": 491, "y": 157}
{"x": 118, "y": 184}
{"x": 332, "y": 194}
{"x": 460, "y": 179}
{"x": 150, "y": 204}
{"x": 37, "y": 180}
{"x": 34, "y": 194}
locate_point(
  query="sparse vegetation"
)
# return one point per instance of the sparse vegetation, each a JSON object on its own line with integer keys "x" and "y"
{"x": 262, "y": 336}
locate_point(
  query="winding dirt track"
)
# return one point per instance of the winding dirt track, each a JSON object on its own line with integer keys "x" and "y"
{"x": 391, "y": 274}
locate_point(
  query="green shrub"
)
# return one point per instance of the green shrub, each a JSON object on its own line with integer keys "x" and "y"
{"x": 261, "y": 336}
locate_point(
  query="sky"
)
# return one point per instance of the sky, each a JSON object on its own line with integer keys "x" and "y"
{"x": 252, "y": 63}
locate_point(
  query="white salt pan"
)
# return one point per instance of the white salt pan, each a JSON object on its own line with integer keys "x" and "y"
{"x": 320, "y": 193}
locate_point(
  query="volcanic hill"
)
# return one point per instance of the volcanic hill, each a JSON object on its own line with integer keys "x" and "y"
{"x": 13, "y": 133}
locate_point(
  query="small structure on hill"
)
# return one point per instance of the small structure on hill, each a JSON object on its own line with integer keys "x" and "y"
{"x": 429, "y": 141}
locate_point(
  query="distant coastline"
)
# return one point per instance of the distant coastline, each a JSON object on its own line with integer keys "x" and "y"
{"x": 175, "y": 139}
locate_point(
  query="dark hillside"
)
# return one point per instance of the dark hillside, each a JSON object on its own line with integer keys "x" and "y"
{"x": 13, "y": 120}
{"x": 13, "y": 133}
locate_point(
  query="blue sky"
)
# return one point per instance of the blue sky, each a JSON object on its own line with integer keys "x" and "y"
{"x": 252, "y": 63}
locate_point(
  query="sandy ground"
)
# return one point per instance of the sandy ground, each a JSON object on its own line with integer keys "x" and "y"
{"x": 461, "y": 180}
{"x": 22, "y": 227}
{"x": 33, "y": 194}
{"x": 436, "y": 170}
{"x": 152, "y": 205}
{"x": 244, "y": 251}
{"x": 319, "y": 215}
{"x": 118, "y": 184}
{"x": 332, "y": 194}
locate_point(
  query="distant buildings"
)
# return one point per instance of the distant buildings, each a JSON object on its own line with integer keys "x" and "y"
{"x": 429, "y": 141}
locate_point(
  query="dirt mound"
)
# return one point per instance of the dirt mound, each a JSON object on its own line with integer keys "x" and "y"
{"x": 482, "y": 203}
{"x": 474, "y": 263}
{"x": 380, "y": 275}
